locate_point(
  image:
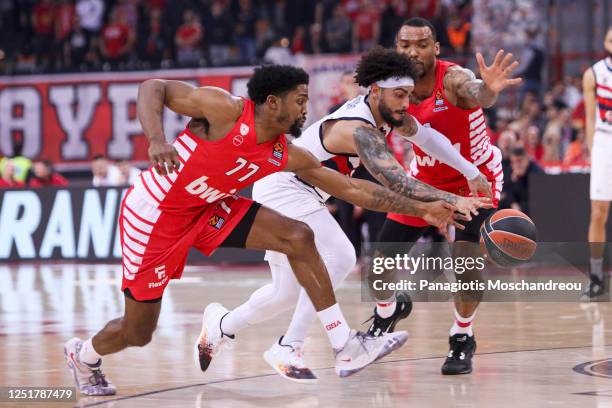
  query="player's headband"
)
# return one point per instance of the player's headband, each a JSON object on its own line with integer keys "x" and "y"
{"x": 395, "y": 82}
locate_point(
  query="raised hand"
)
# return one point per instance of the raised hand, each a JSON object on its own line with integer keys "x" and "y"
{"x": 498, "y": 75}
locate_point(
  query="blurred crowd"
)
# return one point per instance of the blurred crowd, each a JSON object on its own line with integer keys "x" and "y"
{"x": 89, "y": 35}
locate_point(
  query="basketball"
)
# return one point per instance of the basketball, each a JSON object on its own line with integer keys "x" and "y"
{"x": 508, "y": 237}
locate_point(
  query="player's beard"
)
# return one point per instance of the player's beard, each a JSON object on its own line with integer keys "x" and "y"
{"x": 387, "y": 114}
{"x": 296, "y": 127}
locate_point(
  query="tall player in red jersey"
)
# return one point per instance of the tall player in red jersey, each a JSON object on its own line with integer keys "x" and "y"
{"x": 187, "y": 199}
{"x": 449, "y": 99}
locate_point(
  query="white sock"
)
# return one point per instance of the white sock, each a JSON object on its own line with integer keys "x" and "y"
{"x": 335, "y": 326}
{"x": 385, "y": 309}
{"x": 88, "y": 354}
{"x": 462, "y": 325}
{"x": 597, "y": 268}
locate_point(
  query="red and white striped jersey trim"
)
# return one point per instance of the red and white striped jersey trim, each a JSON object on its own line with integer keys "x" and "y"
{"x": 153, "y": 186}
{"x": 138, "y": 218}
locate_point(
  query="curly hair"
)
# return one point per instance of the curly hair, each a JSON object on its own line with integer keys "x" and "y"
{"x": 381, "y": 63}
{"x": 274, "y": 80}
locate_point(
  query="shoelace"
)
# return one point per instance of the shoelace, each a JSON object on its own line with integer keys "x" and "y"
{"x": 97, "y": 378}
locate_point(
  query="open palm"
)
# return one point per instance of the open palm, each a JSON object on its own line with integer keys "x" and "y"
{"x": 498, "y": 75}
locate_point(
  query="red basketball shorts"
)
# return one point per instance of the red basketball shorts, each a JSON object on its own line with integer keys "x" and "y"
{"x": 155, "y": 244}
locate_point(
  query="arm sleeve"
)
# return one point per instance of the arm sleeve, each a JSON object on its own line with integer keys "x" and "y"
{"x": 436, "y": 145}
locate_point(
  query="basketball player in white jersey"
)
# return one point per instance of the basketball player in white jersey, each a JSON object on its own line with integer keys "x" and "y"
{"x": 339, "y": 142}
{"x": 597, "y": 88}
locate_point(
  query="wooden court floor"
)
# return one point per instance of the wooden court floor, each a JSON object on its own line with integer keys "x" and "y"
{"x": 529, "y": 354}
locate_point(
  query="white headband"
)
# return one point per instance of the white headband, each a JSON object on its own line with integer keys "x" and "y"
{"x": 395, "y": 82}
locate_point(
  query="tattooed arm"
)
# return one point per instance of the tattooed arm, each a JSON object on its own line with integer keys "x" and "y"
{"x": 372, "y": 196}
{"x": 371, "y": 146}
{"x": 464, "y": 90}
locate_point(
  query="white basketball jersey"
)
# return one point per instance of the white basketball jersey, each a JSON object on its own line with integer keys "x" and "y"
{"x": 284, "y": 190}
{"x": 603, "y": 93}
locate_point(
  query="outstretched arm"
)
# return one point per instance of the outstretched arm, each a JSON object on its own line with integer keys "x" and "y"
{"x": 371, "y": 146}
{"x": 461, "y": 83}
{"x": 370, "y": 195}
{"x": 436, "y": 145}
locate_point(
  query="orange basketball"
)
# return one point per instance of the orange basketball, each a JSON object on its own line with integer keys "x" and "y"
{"x": 509, "y": 237}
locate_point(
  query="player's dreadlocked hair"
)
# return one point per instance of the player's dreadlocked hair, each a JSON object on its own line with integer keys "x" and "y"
{"x": 381, "y": 63}
{"x": 274, "y": 80}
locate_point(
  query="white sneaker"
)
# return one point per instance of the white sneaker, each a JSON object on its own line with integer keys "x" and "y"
{"x": 288, "y": 361}
{"x": 362, "y": 350}
{"x": 211, "y": 338}
{"x": 88, "y": 378}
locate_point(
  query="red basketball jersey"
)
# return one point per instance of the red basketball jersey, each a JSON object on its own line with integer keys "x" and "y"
{"x": 468, "y": 133}
{"x": 466, "y": 130}
{"x": 212, "y": 170}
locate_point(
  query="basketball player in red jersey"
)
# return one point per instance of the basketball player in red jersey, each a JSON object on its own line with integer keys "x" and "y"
{"x": 450, "y": 99}
{"x": 187, "y": 199}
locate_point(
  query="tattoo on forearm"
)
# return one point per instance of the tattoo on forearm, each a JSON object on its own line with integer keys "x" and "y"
{"x": 467, "y": 86}
{"x": 375, "y": 155}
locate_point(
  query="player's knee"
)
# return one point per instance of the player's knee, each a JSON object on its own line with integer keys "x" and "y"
{"x": 599, "y": 214}
{"x": 299, "y": 238}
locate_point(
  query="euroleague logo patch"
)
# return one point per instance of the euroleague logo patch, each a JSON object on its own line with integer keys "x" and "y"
{"x": 216, "y": 221}
{"x": 439, "y": 103}
{"x": 278, "y": 150}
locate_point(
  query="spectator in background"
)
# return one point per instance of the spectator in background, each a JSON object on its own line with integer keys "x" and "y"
{"x": 338, "y": 31}
{"x": 347, "y": 90}
{"x": 127, "y": 173}
{"x": 459, "y": 34}
{"x": 516, "y": 187}
{"x": 392, "y": 18}
{"x": 278, "y": 53}
{"x": 219, "y": 26}
{"x": 151, "y": 44}
{"x": 264, "y": 36}
{"x": 64, "y": 21}
{"x": 531, "y": 65}
{"x": 43, "y": 23}
{"x": 576, "y": 153}
{"x": 7, "y": 176}
{"x": 245, "y": 31}
{"x": 19, "y": 163}
{"x": 91, "y": 13}
{"x": 77, "y": 48}
{"x": 104, "y": 172}
{"x": 188, "y": 40}
{"x": 366, "y": 27}
{"x": 532, "y": 143}
{"x": 117, "y": 40}
{"x": 44, "y": 175}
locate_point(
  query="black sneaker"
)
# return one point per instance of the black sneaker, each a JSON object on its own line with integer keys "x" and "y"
{"x": 459, "y": 360}
{"x": 380, "y": 326}
{"x": 596, "y": 292}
